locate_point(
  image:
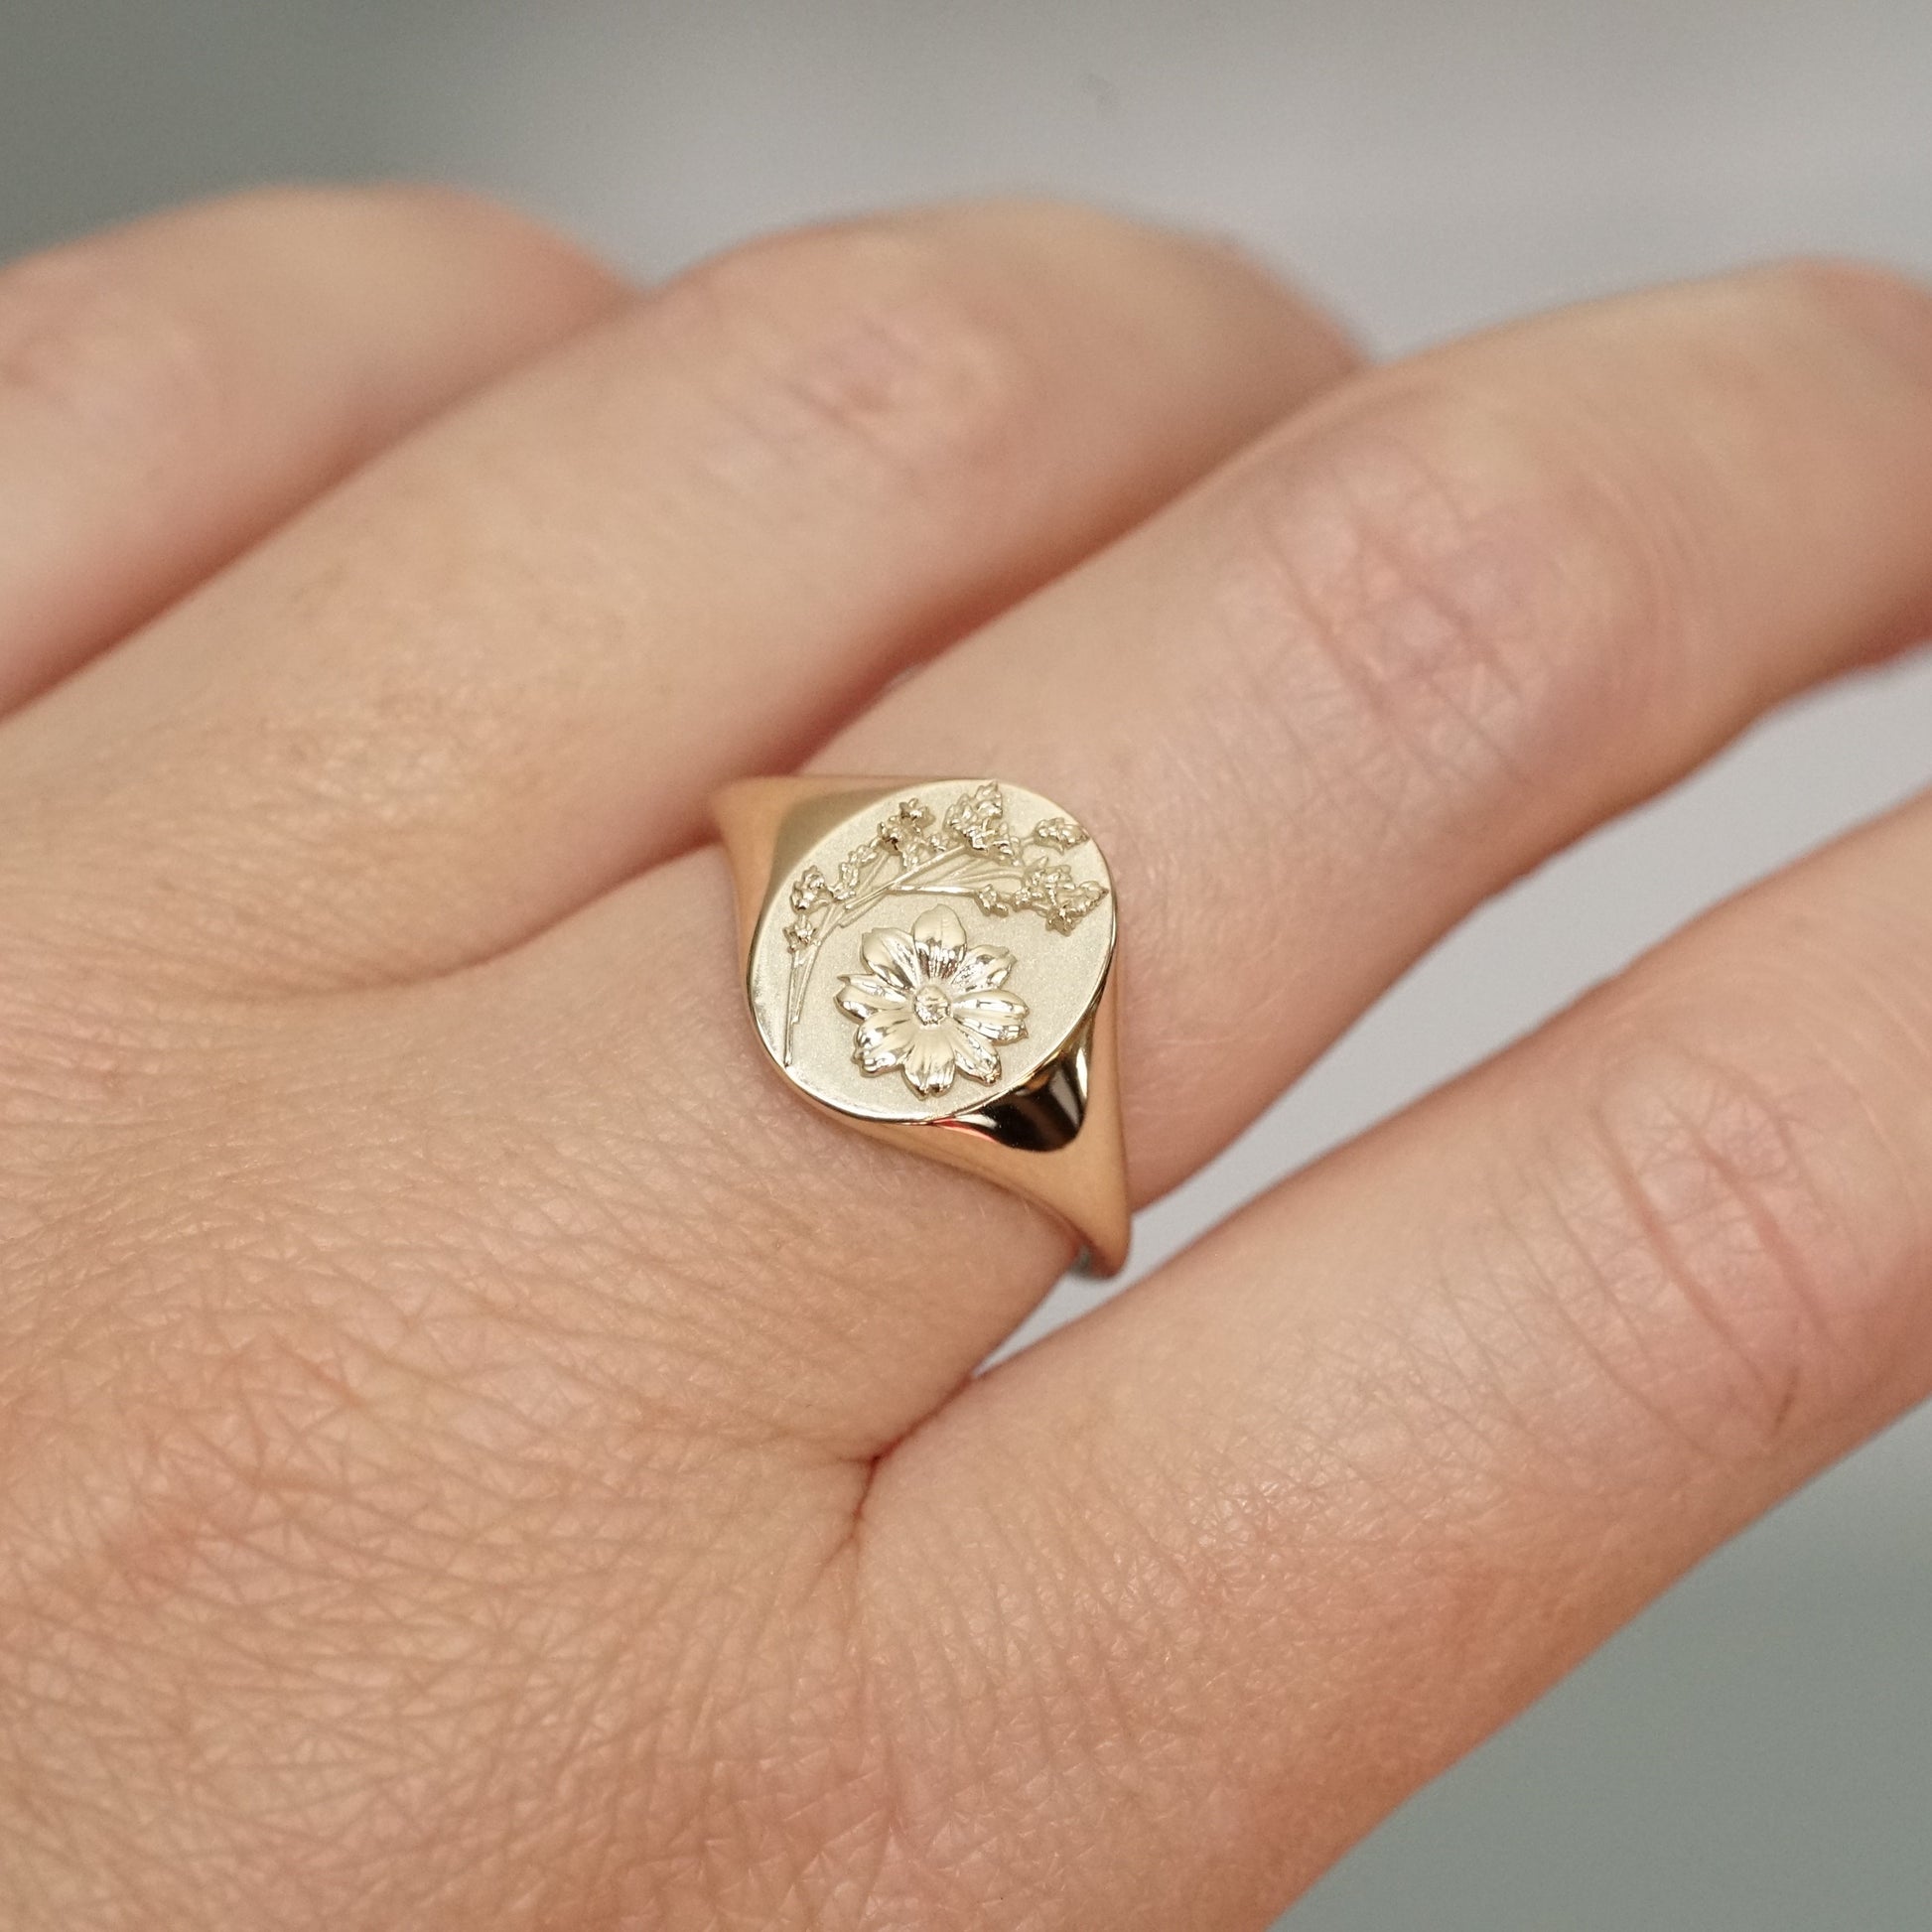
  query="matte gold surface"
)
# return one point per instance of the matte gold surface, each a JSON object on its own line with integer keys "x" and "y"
{"x": 931, "y": 960}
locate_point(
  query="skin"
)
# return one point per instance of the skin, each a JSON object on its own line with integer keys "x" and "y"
{"x": 475, "y": 1453}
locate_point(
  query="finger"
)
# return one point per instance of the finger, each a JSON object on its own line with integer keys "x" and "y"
{"x": 680, "y": 548}
{"x": 1445, "y": 622}
{"x": 1313, "y": 713}
{"x": 169, "y": 391}
{"x": 1339, "y": 1490}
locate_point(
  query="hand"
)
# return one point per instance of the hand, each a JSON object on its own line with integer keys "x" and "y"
{"x": 478, "y": 1454}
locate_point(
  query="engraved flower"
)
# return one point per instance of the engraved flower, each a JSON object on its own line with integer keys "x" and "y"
{"x": 929, "y": 1003}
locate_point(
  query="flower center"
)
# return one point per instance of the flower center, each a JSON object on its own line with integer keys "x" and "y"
{"x": 930, "y": 1006}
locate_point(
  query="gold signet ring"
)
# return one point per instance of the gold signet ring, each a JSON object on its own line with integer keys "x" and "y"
{"x": 931, "y": 960}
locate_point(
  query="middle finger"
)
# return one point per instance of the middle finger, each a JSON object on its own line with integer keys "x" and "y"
{"x": 502, "y": 669}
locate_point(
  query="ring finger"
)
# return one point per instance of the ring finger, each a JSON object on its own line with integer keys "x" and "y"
{"x": 1369, "y": 672}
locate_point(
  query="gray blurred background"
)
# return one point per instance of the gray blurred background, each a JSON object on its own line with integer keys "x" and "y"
{"x": 1756, "y": 1753}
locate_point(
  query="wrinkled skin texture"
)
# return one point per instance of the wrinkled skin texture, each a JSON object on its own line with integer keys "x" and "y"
{"x": 475, "y": 1453}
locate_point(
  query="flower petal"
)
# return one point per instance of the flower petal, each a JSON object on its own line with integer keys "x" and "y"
{"x": 941, "y": 941}
{"x": 983, "y": 968}
{"x": 862, "y": 995}
{"x": 929, "y": 1064}
{"x": 885, "y": 1042}
{"x": 975, "y": 1057}
{"x": 995, "y": 1015}
{"x": 892, "y": 956}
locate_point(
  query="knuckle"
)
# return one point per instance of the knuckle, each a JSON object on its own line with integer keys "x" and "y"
{"x": 876, "y": 350}
{"x": 1862, "y": 299}
{"x": 361, "y": 205}
{"x": 1727, "y": 1228}
{"x": 287, "y": 211}
{"x": 93, "y": 344}
{"x": 1443, "y": 598}
{"x": 384, "y": 219}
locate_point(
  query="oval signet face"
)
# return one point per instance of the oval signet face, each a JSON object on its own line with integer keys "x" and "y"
{"x": 925, "y": 951}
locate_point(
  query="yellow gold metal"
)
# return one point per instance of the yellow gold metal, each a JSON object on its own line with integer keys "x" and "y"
{"x": 931, "y": 960}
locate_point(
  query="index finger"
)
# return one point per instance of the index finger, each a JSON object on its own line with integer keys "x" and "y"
{"x": 172, "y": 389}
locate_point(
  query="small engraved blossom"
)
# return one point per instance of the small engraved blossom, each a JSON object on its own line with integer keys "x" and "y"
{"x": 929, "y": 1003}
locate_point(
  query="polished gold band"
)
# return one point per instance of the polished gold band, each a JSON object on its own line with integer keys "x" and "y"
{"x": 932, "y": 961}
